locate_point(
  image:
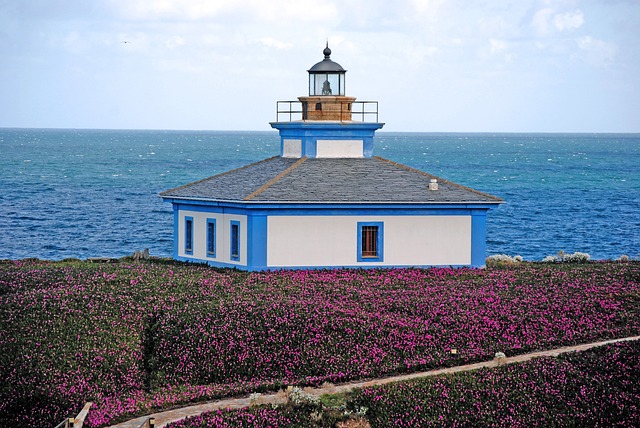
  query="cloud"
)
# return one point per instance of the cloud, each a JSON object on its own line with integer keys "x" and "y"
{"x": 174, "y": 42}
{"x": 274, "y": 43}
{"x": 547, "y": 20}
{"x": 427, "y": 8}
{"x": 596, "y": 51}
{"x": 171, "y": 9}
{"x": 568, "y": 21}
{"x": 497, "y": 46}
{"x": 540, "y": 21}
{"x": 75, "y": 43}
{"x": 207, "y": 10}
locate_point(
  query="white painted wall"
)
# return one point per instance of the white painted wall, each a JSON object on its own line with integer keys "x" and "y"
{"x": 339, "y": 148}
{"x": 428, "y": 240}
{"x": 310, "y": 241}
{"x": 223, "y": 236}
{"x": 332, "y": 240}
{"x": 291, "y": 148}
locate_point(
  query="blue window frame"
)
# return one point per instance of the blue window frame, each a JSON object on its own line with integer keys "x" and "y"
{"x": 370, "y": 241}
{"x": 188, "y": 235}
{"x": 211, "y": 237}
{"x": 235, "y": 240}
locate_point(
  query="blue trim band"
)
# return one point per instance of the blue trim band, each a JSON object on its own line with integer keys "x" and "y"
{"x": 330, "y": 209}
{"x": 310, "y": 132}
{"x": 258, "y": 268}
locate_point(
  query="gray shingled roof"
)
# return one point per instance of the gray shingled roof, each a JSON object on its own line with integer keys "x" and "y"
{"x": 308, "y": 180}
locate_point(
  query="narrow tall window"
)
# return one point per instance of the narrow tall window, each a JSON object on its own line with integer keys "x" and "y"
{"x": 235, "y": 240}
{"x": 370, "y": 241}
{"x": 188, "y": 235}
{"x": 211, "y": 237}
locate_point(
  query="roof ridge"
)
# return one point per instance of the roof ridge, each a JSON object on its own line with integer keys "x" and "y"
{"x": 217, "y": 175}
{"x": 275, "y": 179}
{"x": 442, "y": 180}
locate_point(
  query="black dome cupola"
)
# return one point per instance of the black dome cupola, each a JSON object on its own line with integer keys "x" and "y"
{"x": 327, "y": 77}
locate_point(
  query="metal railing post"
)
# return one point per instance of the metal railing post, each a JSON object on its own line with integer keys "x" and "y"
{"x": 351, "y": 110}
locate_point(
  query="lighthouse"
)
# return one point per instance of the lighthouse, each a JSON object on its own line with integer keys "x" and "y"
{"x": 331, "y": 125}
{"x": 327, "y": 201}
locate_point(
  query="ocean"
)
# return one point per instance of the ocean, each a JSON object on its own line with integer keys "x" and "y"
{"x": 94, "y": 193}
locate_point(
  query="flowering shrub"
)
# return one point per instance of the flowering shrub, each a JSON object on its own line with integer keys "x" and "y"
{"x": 598, "y": 387}
{"x": 256, "y": 417}
{"x": 576, "y": 257}
{"x": 498, "y": 259}
{"x": 298, "y": 397}
{"x": 139, "y": 336}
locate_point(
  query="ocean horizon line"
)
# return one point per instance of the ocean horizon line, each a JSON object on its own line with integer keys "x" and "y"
{"x": 272, "y": 131}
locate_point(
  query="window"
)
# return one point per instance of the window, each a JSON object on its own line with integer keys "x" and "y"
{"x": 235, "y": 240}
{"x": 370, "y": 241}
{"x": 211, "y": 237}
{"x": 188, "y": 235}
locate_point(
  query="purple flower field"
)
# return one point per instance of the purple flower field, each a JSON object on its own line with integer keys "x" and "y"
{"x": 137, "y": 336}
{"x": 249, "y": 418}
{"x": 598, "y": 387}
{"x": 595, "y": 388}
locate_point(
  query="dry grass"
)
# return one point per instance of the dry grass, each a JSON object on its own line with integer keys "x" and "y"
{"x": 358, "y": 422}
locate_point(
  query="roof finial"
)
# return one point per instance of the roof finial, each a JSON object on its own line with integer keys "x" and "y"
{"x": 327, "y": 51}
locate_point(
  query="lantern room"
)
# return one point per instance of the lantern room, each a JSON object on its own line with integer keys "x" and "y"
{"x": 326, "y": 100}
{"x": 327, "y": 77}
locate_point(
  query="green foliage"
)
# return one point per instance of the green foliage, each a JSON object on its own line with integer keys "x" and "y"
{"x": 333, "y": 401}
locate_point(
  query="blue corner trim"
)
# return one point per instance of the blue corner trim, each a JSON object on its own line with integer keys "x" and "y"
{"x": 478, "y": 238}
{"x": 257, "y": 242}
{"x": 176, "y": 229}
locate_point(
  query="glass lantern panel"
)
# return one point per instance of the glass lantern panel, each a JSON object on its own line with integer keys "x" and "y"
{"x": 326, "y": 84}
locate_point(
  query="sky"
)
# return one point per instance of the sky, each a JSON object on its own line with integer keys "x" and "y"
{"x": 433, "y": 65}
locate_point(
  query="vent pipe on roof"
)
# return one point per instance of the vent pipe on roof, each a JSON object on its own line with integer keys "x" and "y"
{"x": 433, "y": 184}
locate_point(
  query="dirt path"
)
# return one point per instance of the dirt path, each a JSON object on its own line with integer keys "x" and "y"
{"x": 163, "y": 418}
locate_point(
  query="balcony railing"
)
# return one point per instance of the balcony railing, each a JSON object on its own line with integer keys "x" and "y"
{"x": 361, "y": 111}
